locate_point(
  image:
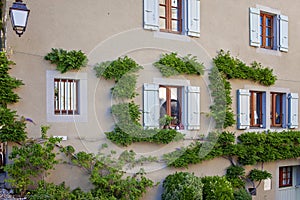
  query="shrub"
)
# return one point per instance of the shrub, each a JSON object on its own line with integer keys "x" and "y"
{"x": 217, "y": 188}
{"x": 242, "y": 194}
{"x": 235, "y": 175}
{"x": 116, "y": 69}
{"x": 67, "y": 60}
{"x": 171, "y": 64}
{"x": 183, "y": 186}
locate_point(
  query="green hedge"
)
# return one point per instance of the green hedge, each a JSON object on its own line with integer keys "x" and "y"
{"x": 183, "y": 186}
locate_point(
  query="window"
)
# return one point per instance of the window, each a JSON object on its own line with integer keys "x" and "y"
{"x": 252, "y": 109}
{"x": 169, "y": 16}
{"x": 2, "y": 155}
{"x": 268, "y": 30}
{"x": 285, "y": 176}
{"x": 66, "y": 96}
{"x": 256, "y": 108}
{"x": 277, "y": 108}
{"x": 170, "y": 103}
{"x": 180, "y": 102}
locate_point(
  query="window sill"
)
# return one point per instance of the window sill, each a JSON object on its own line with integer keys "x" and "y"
{"x": 271, "y": 52}
{"x": 171, "y": 36}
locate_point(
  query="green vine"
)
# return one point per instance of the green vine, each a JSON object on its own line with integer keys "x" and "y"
{"x": 128, "y": 128}
{"x": 67, "y": 60}
{"x": 171, "y": 64}
{"x": 226, "y": 68}
{"x": 252, "y": 148}
{"x": 31, "y": 161}
{"x": 107, "y": 176}
{"x": 11, "y": 127}
{"x": 116, "y": 69}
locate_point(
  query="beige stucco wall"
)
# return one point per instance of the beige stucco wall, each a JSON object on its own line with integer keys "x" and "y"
{"x": 105, "y": 30}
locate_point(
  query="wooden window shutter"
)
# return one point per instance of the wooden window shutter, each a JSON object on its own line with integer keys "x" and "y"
{"x": 151, "y": 106}
{"x": 293, "y": 110}
{"x": 254, "y": 27}
{"x": 283, "y": 33}
{"x": 193, "y": 21}
{"x": 151, "y": 14}
{"x": 243, "y": 109}
{"x": 193, "y": 107}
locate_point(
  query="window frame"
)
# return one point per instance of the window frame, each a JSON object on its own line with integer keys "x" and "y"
{"x": 273, "y": 109}
{"x": 263, "y": 27}
{"x": 58, "y": 110}
{"x": 169, "y": 102}
{"x": 168, "y": 16}
{"x": 82, "y": 115}
{"x": 285, "y": 176}
{"x": 253, "y": 104}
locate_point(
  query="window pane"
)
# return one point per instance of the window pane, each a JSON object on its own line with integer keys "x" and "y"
{"x": 258, "y": 109}
{"x": 268, "y": 22}
{"x": 268, "y": 42}
{"x": 175, "y": 25}
{"x": 174, "y": 13}
{"x": 65, "y": 96}
{"x": 162, "y": 11}
{"x": 268, "y": 31}
{"x": 162, "y": 1}
{"x": 174, "y": 3}
{"x": 163, "y": 101}
{"x": 162, "y": 23}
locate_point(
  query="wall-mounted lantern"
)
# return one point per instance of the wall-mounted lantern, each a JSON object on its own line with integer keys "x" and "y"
{"x": 19, "y": 16}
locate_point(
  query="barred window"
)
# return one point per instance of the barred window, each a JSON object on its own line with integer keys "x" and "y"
{"x": 66, "y": 96}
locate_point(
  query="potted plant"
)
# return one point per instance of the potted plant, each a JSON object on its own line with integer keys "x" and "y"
{"x": 165, "y": 121}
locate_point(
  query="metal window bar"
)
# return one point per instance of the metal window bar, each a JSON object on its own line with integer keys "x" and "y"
{"x": 65, "y": 96}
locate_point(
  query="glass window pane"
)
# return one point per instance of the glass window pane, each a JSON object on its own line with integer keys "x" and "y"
{"x": 268, "y": 31}
{"x": 162, "y": 11}
{"x": 174, "y": 3}
{"x": 174, "y": 13}
{"x": 175, "y": 25}
{"x": 162, "y": 2}
{"x": 268, "y": 22}
{"x": 162, "y": 23}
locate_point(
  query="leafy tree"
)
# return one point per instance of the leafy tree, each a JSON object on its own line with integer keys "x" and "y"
{"x": 31, "y": 160}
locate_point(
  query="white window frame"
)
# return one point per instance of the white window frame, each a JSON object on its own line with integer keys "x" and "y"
{"x": 280, "y": 29}
{"x": 82, "y": 96}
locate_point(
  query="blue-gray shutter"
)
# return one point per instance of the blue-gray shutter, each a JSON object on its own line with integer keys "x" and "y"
{"x": 151, "y": 105}
{"x": 151, "y": 14}
{"x": 193, "y": 107}
{"x": 283, "y": 33}
{"x": 284, "y": 113}
{"x": 193, "y": 18}
{"x": 264, "y": 110}
{"x": 254, "y": 27}
{"x": 293, "y": 110}
{"x": 243, "y": 109}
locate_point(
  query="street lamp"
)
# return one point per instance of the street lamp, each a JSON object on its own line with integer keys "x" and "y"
{"x": 19, "y": 15}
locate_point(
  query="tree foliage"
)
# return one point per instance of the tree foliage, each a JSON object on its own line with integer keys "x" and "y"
{"x": 29, "y": 161}
{"x": 183, "y": 186}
